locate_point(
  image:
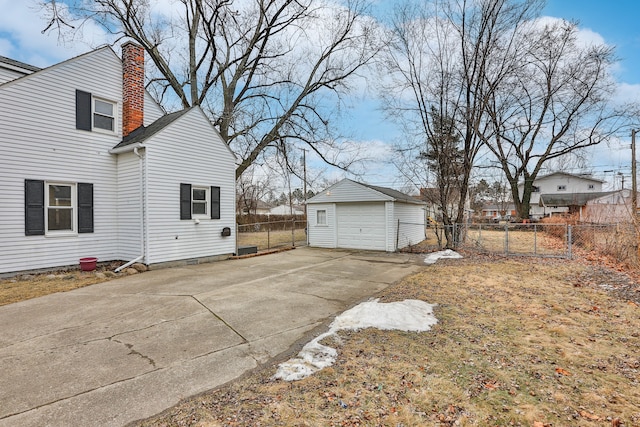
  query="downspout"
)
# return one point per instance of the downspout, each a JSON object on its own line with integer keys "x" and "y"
{"x": 142, "y": 217}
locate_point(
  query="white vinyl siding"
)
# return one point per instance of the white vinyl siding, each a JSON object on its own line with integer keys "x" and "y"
{"x": 54, "y": 151}
{"x": 411, "y": 224}
{"x": 130, "y": 221}
{"x": 322, "y": 236}
{"x": 8, "y": 75}
{"x": 188, "y": 150}
{"x": 152, "y": 111}
{"x": 361, "y": 217}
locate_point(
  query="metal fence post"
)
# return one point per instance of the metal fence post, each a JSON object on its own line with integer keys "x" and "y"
{"x": 506, "y": 239}
{"x": 569, "y": 240}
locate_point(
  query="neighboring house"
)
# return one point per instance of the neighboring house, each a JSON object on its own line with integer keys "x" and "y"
{"x": 431, "y": 196}
{"x": 253, "y": 207}
{"x": 286, "y": 210}
{"x": 91, "y": 166}
{"x": 560, "y": 193}
{"x": 499, "y": 210}
{"x": 354, "y": 215}
{"x": 609, "y": 207}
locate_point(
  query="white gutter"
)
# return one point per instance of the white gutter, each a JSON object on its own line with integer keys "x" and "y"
{"x": 142, "y": 200}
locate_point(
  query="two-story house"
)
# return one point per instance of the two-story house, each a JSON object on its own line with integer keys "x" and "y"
{"x": 91, "y": 166}
{"x": 561, "y": 193}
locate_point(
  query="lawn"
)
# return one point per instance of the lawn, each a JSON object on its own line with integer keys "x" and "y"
{"x": 528, "y": 342}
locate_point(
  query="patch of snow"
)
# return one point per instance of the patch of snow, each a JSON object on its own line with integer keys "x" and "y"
{"x": 435, "y": 256}
{"x": 407, "y": 315}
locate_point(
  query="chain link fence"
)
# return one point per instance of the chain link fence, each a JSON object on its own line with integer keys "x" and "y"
{"x": 272, "y": 235}
{"x": 619, "y": 241}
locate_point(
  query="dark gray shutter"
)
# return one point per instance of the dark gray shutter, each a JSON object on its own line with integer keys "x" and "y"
{"x": 33, "y": 207}
{"x": 185, "y": 201}
{"x": 215, "y": 202}
{"x": 85, "y": 208}
{"x": 83, "y": 110}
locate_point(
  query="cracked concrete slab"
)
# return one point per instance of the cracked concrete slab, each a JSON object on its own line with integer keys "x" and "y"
{"x": 127, "y": 349}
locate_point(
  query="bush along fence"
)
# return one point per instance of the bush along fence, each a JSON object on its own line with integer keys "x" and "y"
{"x": 273, "y": 234}
{"x": 541, "y": 239}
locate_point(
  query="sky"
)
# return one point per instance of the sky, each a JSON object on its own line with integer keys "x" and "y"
{"x": 614, "y": 22}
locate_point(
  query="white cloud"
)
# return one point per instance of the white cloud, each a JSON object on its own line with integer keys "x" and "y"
{"x": 21, "y": 37}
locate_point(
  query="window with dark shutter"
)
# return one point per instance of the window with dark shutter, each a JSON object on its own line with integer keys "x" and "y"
{"x": 83, "y": 110}
{"x": 215, "y": 202}
{"x": 185, "y": 201}
{"x": 33, "y": 207}
{"x": 85, "y": 208}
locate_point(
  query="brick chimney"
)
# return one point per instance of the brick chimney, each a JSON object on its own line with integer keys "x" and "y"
{"x": 132, "y": 87}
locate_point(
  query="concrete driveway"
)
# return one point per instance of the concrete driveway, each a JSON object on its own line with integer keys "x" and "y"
{"x": 112, "y": 353}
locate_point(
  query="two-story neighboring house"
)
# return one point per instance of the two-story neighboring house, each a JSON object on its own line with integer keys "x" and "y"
{"x": 561, "y": 193}
{"x": 91, "y": 166}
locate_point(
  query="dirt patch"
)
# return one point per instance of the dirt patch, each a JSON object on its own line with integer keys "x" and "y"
{"x": 519, "y": 342}
{"x": 26, "y": 286}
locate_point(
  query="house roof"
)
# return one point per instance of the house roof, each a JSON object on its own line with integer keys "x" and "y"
{"x": 21, "y": 66}
{"x": 397, "y": 195}
{"x": 143, "y": 133}
{"x": 570, "y": 199}
{"x": 584, "y": 177}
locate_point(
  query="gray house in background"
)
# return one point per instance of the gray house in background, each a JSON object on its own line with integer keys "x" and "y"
{"x": 354, "y": 215}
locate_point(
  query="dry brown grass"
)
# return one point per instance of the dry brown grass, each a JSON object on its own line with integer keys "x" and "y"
{"x": 272, "y": 239}
{"x": 519, "y": 342}
{"x": 24, "y": 287}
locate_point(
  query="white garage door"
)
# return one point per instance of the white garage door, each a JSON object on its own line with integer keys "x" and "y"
{"x": 361, "y": 226}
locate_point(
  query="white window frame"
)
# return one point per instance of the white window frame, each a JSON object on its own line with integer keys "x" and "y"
{"x": 592, "y": 187}
{"x": 113, "y": 117}
{"x": 73, "y": 208}
{"x": 321, "y": 220}
{"x": 562, "y": 188}
{"x": 206, "y": 202}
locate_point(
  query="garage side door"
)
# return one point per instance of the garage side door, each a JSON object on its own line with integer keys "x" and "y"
{"x": 361, "y": 226}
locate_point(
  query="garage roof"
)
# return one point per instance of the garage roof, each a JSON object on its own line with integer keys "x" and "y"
{"x": 348, "y": 191}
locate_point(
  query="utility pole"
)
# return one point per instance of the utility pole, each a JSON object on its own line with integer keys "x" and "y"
{"x": 634, "y": 184}
{"x": 304, "y": 175}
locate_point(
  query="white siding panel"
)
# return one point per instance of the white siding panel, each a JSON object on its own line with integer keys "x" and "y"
{"x": 322, "y": 236}
{"x": 188, "y": 151}
{"x": 38, "y": 140}
{"x": 152, "y": 111}
{"x": 362, "y": 226}
{"x": 349, "y": 191}
{"x": 8, "y": 75}
{"x": 130, "y": 222}
{"x": 411, "y": 228}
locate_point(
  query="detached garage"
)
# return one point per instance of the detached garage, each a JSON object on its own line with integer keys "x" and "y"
{"x": 354, "y": 215}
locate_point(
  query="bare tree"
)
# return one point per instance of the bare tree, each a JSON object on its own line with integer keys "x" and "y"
{"x": 269, "y": 72}
{"x": 555, "y": 103}
{"x": 448, "y": 56}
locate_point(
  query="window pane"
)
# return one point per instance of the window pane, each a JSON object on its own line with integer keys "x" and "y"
{"x": 199, "y": 194}
{"x": 102, "y": 122}
{"x": 321, "y": 217}
{"x": 200, "y": 208}
{"x": 60, "y": 219}
{"x": 59, "y": 195}
{"x": 104, "y": 108}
